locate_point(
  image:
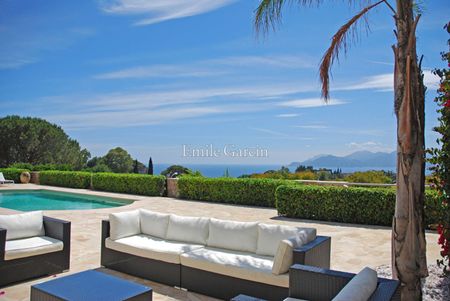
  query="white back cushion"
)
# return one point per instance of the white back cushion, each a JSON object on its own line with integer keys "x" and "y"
{"x": 239, "y": 236}
{"x": 23, "y": 225}
{"x": 188, "y": 229}
{"x": 360, "y": 288}
{"x": 154, "y": 223}
{"x": 124, "y": 224}
{"x": 269, "y": 237}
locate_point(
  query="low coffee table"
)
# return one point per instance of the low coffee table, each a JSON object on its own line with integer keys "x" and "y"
{"x": 90, "y": 286}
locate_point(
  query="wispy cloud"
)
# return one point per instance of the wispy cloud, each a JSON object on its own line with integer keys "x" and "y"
{"x": 210, "y": 67}
{"x": 156, "y": 11}
{"x": 277, "y": 134}
{"x": 385, "y": 82}
{"x": 288, "y": 115}
{"x": 311, "y": 126}
{"x": 311, "y": 103}
{"x": 370, "y": 146}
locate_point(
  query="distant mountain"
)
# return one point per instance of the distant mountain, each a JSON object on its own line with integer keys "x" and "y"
{"x": 356, "y": 159}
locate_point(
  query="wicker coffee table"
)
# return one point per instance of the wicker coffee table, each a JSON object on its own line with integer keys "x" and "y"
{"x": 90, "y": 286}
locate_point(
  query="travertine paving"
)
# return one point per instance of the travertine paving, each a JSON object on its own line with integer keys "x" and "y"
{"x": 352, "y": 246}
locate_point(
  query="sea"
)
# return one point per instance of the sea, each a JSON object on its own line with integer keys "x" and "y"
{"x": 236, "y": 170}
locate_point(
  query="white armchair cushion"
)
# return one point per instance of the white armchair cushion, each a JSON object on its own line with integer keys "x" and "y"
{"x": 269, "y": 237}
{"x": 154, "y": 223}
{"x": 23, "y": 225}
{"x": 188, "y": 229}
{"x": 231, "y": 235}
{"x": 124, "y": 224}
{"x": 360, "y": 288}
{"x": 284, "y": 256}
{"x": 31, "y": 246}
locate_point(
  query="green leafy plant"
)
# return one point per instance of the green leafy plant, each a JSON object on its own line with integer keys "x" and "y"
{"x": 440, "y": 160}
{"x": 13, "y": 173}
{"x": 253, "y": 192}
{"x": 129, "y": 183}
{"x": 372, "y": 206}
{"x": 72, "y": 179}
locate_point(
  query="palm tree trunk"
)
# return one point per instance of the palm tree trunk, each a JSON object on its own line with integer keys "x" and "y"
{"x": 408, "y": 237}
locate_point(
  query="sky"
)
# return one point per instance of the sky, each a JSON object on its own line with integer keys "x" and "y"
{"x": 192, "y": 82}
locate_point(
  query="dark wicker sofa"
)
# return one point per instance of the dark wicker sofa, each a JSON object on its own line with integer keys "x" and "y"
{"x": 318, "y": 284}
{"x": 21, "y": 269}
{"x": 216, "y": 285}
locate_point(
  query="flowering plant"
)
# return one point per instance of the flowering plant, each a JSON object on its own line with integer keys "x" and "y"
{"x": 440, "y": 159}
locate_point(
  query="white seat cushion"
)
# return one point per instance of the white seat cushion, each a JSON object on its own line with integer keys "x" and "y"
{"x": 241, "y": 265}
{"x": 360, "y": 288}
{"x": 293, "y": 299}
{"x": 124, "y": 224}
{"x": 154, "y": 223}
{"x": 32, "y": 246}
{"x": 23, "y": 225}
{"x": 231, "y": 235}
{"x": 189, "y": 229}
{"x": 269, "y": 237}
{"x": 151, "y": 247}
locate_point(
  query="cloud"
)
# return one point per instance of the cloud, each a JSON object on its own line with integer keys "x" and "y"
{"x": 311, "y": 126}
{"x": 276, "y": 134}
{"x": 310, "y": 103}
{"x": 210, "y": 67}
{"x": 156, "y": 11}
{"x": 289, "y": 115}
{"x": 385, "y": 82}
{"x": 370, "y": 146}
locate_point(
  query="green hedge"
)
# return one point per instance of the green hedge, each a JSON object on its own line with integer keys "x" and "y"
{"x": 72, "y": 179}
{"x": 12, "y": 173}
{"x": 372, "y": 206}
{"x": 129, "y": 183}
{"x": 253, "y": 192}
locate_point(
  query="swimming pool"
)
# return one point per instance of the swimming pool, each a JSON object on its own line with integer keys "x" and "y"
{"x": 29, "y": 200}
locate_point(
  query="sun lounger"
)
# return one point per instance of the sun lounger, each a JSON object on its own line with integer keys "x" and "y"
{"x": 4, "y": 181}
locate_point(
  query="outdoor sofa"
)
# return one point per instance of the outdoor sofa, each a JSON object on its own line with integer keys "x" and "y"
{"x": 32, "y": 245}
{"x": 318, "y": 284}
{"x": 218, "y": 258}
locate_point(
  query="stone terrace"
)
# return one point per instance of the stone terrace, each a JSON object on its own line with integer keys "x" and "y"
{"x": 352, "y": 246}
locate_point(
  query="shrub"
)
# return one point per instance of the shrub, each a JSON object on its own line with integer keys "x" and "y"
{"x": 372, "y": 206}
{"x": 12, "y": 173}
{"x": 129, "y": 183}
{"x": 72, "y": 179}
{"x": 40, "y": 167}
{"x": 254, "y": 192}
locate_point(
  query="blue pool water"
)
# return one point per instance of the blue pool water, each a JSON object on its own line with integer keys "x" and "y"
{"x": 52, "y": 200}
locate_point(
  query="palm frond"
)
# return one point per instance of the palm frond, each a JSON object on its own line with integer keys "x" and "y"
{"x": 339, "y": 41}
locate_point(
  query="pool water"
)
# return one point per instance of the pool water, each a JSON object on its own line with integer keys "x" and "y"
{"x": 31, "y": 200}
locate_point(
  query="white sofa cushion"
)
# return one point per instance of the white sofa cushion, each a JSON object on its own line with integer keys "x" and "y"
{"x": 284, "y": 257}
{"x": 123, "y": 224}
{"x": 23, "y": 225}
{"x": 189, "y": 229}
{"x": 151, "y": 247}
{"x": 269, "y": 237}
{"x": 236, "y": 264}
{"x": 154, "y": 223}
{"x": 231, "y": 235}
{"x": 31, "y": 246}
{"x": 293, "y": 299}
{"x": 360, "y": 288}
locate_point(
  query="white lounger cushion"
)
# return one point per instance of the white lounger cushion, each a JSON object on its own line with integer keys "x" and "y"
{"x": 269, "y": 237}
{"x": 189, "y": 229}
{"x": 235, "y": 264}
{"x": 360, "y": 288}
{"x": 124, "y": 224}
{"x": 151, "y": 247}
{"x": 154, "y": 223}
{"x": 231, "y": 235}
{"x": 32, "y": 246}
{"x": 23, "y": 225}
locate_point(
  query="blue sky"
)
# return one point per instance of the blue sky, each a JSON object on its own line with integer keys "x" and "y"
{"x": 152, "y": 76}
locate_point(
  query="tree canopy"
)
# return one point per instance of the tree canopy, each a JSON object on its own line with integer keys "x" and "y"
{"x": 37, "y": 141}
{"x": 119, "y": 160}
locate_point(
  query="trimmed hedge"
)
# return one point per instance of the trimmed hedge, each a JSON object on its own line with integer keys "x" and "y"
{"x": 253, "y": 192}
{"x": 371, "y": 206}
{"x": 72, "y": 179}
{"x": 129, "y": 183}
{"x": 12, "y": 173}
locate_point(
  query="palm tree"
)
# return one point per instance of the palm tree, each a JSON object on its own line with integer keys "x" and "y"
{"x": 408, "y": 234}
